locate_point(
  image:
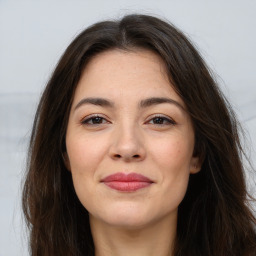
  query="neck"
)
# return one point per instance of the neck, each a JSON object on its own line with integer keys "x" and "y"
{"x": 155, "y": 239}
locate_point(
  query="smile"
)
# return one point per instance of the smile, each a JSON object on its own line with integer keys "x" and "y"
{"x": 127, "y": 182}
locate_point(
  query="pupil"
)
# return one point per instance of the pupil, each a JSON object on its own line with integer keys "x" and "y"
{"x": 158, "y": 120}
{"x": 96, "y": 120}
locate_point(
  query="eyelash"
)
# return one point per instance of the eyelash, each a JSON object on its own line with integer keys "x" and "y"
{"x": 168, "y": 121}
{"x": 91, "y": 118}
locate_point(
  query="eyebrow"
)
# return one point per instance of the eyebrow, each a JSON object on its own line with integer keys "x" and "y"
{"x": 156, "y": 100}
{"x": 95, "y": 101}
{"x": 143, "y": 104}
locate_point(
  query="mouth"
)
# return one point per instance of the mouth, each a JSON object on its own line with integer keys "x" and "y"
{"x": 127, "y": 182}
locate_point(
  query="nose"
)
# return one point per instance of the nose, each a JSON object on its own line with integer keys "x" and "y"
{"x": 127, "y": 145}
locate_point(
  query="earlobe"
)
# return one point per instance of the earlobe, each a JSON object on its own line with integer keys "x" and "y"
{"x": 195, "y": 165}
{"x": 198, "y": 156}
{"x": 66, "y": 160}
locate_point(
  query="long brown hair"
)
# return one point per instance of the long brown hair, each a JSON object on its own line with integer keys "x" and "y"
{"x": 214, "y": 218}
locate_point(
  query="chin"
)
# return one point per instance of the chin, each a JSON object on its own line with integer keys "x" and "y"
{"x": 129, "y": 223}
{"x": 125, "y": 217}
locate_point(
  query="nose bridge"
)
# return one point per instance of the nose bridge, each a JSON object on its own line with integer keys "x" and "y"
{"x": 127, "y": 142}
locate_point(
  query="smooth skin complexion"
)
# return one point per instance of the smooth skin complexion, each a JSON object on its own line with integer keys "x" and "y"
{"x": 126, "y": 118}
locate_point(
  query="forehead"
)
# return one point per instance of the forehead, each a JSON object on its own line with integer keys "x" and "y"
{"x": 137, "y": 56}
{"x": 133, "y": 74}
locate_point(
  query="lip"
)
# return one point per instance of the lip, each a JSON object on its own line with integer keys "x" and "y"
{"x": 127, "y": 182}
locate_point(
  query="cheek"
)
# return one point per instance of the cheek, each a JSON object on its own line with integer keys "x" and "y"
{"x": 84, "y": 157}
{"x": 84, "y": 154}
{"x": 174, "y": 154}
{"x": 173, "y": 160}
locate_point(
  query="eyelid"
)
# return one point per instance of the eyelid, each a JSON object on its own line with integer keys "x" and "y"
{"x": 87, "y": 118}
{"x": 170, "y": 120}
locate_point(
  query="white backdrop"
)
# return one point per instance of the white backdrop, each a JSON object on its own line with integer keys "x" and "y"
{"x": 33, "y": 35}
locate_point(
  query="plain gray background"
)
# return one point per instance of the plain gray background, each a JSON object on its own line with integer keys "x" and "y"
{"x": 33, "y": 35}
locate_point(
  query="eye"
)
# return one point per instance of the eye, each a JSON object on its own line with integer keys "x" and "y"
{"x": 94, "y": 120}
{"x": 161, "y": 120}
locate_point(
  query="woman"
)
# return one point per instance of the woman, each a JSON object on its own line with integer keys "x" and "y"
{"x": 135, "y": 151}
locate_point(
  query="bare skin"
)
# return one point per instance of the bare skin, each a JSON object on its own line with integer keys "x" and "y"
{"x": 153, "y": 240}
{"x": 126, "y": 118}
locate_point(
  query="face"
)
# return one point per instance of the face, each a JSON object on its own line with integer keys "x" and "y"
{"x": 129, "y": 140}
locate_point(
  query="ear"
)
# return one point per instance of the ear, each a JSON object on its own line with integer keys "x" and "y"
{"x": 66, "y": 160}
{"x": 195, "y": 165}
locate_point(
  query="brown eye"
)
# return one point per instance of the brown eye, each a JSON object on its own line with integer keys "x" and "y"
{"x": 162, "y": 120}
{"x": 94, "y": 120}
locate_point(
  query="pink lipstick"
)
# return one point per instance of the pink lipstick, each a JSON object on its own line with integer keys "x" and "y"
{"x": 127, "y": 182}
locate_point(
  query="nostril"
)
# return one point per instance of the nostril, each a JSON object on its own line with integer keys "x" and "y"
{"x": 117, "y": 156}
{"x": 136, "y": 156}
